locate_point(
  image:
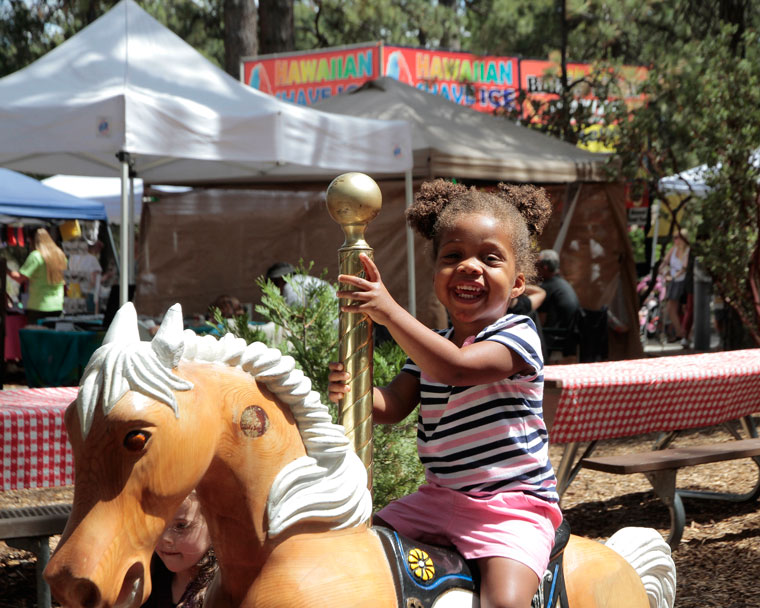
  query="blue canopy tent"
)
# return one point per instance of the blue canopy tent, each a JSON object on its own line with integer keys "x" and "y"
{"x": 26, "y": 197}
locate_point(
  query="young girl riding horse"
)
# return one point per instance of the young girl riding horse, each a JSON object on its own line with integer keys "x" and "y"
{"x": 491, "y": 490}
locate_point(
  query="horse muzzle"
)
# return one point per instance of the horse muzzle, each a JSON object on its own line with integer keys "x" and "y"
{"x": 80, "y": 592}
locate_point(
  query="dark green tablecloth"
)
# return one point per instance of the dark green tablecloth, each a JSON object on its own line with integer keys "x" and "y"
{"x": 56, "y": 358}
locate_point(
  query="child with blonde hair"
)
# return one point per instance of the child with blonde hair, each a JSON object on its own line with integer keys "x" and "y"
{"x": 184, "y": 562}
{"x": 490, "y": 489}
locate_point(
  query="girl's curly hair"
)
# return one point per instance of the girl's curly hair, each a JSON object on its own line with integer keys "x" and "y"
{"x": 524, "y": 209}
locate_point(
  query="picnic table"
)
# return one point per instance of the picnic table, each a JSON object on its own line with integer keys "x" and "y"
{"x": 590, "y": 402}
{"x": 36, "y": 454}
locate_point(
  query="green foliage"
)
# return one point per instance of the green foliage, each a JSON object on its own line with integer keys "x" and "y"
{"x": 31, "y": 28}
{"x": 309, "y": 327}
{"x": 310, "y": 336}
{"x": 704, "y": 108}
{"x": 397, "y": 468}
{"x": 324, "y": 23}
{"x": 237, "y": 326}
{"x": 637, "y": 236}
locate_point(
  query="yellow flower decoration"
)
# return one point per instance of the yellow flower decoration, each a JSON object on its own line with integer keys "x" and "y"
{"x": 421, "y": 564}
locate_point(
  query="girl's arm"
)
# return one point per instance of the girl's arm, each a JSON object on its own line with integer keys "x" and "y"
{"x": 440, "y": 359}
{"x": 391, "y": 403}
{"x": 17, "y": 276}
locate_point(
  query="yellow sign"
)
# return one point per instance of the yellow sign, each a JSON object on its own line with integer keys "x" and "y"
{"x": 598, "y": 138}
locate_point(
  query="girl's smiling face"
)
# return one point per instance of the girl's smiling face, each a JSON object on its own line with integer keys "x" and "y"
{"x": 186, "y": 539}
{"x": 475, "y": 275}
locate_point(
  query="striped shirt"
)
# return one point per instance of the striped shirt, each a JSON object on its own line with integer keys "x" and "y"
{"x": 489, "y": 438}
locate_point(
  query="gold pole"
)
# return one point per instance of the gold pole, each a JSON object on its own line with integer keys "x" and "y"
{"x": 353, "y": 200}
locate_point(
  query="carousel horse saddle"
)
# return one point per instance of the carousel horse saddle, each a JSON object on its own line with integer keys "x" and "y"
{"x": 423, "y": 572}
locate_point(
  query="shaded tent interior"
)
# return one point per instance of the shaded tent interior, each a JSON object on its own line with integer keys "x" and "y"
{"x": 187, "y": 239}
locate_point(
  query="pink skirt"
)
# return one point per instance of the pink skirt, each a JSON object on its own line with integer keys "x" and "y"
{"x": 514, "y": 525}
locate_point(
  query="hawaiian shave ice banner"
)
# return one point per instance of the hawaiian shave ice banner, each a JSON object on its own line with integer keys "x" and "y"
{"x": 307, "y": 77}
{"x": 484, "y": 83}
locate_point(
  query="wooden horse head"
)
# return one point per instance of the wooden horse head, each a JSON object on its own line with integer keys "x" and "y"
{"x": 153, "y": 420}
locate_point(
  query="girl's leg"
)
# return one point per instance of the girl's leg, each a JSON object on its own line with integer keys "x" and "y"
{"x": 674, "y": 316}
{"x": 506, "y": 583}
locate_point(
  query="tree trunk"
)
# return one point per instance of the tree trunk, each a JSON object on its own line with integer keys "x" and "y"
{"x": 734, "y": 334}
{"x": 276, "y": 26}
{"x": 240, "y": 34}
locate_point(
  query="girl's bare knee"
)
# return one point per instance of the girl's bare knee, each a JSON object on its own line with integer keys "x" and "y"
{"x": 506, "y": 583}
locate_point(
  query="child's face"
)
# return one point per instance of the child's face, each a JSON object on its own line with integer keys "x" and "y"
{"x": 185, "y": 539}
{"x": 475, "y": 274}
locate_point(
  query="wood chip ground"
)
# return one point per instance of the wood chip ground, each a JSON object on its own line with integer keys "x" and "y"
{"x": 718, "y": 560}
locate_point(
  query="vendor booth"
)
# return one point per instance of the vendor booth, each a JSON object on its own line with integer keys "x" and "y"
{"x": 125, "y": 97}
{"x": 25, "y": 205}
{"x": 187, "y": 238}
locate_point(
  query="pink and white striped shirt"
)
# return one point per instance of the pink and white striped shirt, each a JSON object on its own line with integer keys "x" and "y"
{"x": 489, "y": 438}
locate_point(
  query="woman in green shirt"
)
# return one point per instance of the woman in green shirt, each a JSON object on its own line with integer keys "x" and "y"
{"x": 43, "y": 271}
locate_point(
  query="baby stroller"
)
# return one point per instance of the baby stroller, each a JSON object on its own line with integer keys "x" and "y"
{"x": 652, "y": 311}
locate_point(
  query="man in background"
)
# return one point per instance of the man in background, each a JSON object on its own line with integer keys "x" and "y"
{"x": 298, "y": 287}
{"x": 559, "y": 313}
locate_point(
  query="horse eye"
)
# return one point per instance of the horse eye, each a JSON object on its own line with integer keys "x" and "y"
{"x": 136, "y": 440}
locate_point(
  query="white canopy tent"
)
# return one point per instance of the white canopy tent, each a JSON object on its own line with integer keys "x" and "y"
{"x": 694, "y": 180}
{"x": 106, "y": 190}
{"x": 126, "y": 97}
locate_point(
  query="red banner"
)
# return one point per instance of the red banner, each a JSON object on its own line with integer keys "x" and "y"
{"x": 484, "y": 83}
{"x": 541, "y": 81}
{"x": 307, "y": 77}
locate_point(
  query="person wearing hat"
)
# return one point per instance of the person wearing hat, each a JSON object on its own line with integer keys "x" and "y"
{"x": 298, "y": 286}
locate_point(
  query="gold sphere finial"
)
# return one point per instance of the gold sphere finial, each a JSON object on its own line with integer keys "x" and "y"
{"x": 353, "y": 200}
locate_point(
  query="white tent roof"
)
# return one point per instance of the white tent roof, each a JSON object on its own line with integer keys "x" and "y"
{"x": 106, "y": 190}
{"x": 127, "y": 84}
{"x": 451, "y": 140}
{"x": 694, "y": 180}
{"x": 691, "y": 181}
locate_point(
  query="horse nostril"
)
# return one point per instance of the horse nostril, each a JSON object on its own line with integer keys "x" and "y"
{"x": 132, "y": 587}
{"x": 87, "y": 593}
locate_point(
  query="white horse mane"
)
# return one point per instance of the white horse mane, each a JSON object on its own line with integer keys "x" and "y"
{"x": 328, "y": 485}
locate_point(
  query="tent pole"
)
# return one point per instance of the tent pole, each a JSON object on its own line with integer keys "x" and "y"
{"x": 113, "y": 247}
{"x": 124, "y": 233}
{"x": 565, "y": 225}
{"x": 132, "y": 226}
{"x": 410, "y": 267}
{"x": 655, "y": 234}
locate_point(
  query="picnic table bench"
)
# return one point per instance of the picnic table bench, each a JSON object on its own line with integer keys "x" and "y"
{"x": 30, "y": 529}
{"x": 661, "y": 467}
{"x": 586, "y": 403}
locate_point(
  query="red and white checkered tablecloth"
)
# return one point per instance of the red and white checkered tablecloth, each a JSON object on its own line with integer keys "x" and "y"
{"x": 36, "y": 450}
{"x": 624, "y": 398}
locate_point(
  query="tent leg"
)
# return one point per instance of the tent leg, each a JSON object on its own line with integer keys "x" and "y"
{"x": 125, "y": 160}
{"x": 410, "y": 267}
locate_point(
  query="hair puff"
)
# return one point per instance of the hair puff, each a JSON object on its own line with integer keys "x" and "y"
{"x": 431, "y": 199}
{"x": 532, "y": 203}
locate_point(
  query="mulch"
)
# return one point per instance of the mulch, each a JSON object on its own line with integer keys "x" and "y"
{"x": 717, "y": 561}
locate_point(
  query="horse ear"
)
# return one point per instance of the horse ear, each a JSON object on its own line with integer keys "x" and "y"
{"x": 169, "y": 342}
{"x": 123, "y": 327}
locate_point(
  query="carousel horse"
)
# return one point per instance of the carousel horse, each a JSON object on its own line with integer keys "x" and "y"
{"x": 283, "y": 492}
